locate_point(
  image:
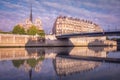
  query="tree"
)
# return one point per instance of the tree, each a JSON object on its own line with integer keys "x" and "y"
{"x": 17, "y": 63}
{"x": 1, "y": 31}
{"x": 41, "y": 33}
{"x": 34, "y": 62}
{"x": 32, "y": 30}
{"x": 18, "y": 30}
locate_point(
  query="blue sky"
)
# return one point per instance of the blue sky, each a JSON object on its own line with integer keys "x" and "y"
{"x": 105, "y": 13}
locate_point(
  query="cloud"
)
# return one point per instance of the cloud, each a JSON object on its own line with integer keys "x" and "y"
{"x": 103, "y": 4}
{"x": 99, "y": 16}
{"x": 76, "y": 10}
{"x": 12, "y": 5}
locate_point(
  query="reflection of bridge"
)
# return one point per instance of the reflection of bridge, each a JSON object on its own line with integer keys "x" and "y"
{"x": 91, "y": 34}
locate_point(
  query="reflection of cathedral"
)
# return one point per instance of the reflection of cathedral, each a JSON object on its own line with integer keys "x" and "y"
{"x": 25, "y": 59}
{"x": 27, "y": 65}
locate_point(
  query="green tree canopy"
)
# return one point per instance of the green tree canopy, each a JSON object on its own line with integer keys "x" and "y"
{"x": 3, "y": 32}
{"x": 32, "y": 30}
{"x": 18, "y": 30}
{"x": 41, "y": 33}
{"x": 33, "y": 62}
{"x": 17, "y": 63}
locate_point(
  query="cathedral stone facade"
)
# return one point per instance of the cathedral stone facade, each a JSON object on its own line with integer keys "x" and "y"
{"x": 27, "y": 24}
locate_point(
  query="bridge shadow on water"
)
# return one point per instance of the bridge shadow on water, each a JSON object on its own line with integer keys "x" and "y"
{"x": 118, "y": 44}
{"x": 35, "y": 42}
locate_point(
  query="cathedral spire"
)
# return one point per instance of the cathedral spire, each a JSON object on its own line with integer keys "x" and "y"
{"x": 31, "y": 17}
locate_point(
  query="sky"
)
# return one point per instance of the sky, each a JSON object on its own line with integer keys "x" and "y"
{"x": 105, "y": 13}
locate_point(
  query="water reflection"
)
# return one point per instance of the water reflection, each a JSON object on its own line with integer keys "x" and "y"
{"x": 67, "y": 66}
{"x": 24, "y": 59}
{"x": 28, "y": 53}
{"x": 47, "y": 64}
{"x": 28, "y": 64}
{"x": 64, "y": 66}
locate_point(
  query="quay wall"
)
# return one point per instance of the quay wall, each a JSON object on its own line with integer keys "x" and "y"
{"x": 51, "y": 40}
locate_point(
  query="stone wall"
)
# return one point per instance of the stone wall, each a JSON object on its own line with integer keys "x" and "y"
{"x": 51, "y": 40}
{"x": 19, "y": 40}
{"x": 91, "y": 41}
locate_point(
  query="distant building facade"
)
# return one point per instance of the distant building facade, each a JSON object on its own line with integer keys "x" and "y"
{"x": 38, "y": 23}
{"x": 27, "y": 24}
{"x": 67, "y": 25}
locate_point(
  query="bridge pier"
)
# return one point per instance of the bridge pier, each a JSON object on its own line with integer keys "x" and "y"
{"x": 91, "y": 41}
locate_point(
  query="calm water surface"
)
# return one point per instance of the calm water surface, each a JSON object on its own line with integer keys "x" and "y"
{"x": 56, "y": 63}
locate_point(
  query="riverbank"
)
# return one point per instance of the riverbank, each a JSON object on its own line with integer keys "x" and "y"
{"x": 11, "y": 40}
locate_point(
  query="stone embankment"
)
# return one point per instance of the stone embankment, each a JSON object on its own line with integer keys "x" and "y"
{"x": 9, "y": 40}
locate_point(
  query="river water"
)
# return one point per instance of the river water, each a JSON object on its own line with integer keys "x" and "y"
{"x": 60, "y": 63}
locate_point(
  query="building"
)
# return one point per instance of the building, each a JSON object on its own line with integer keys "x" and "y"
{"x": 29, "y": 22}
{"x": 67, "y": 25}
{"x": 38, "y": 23}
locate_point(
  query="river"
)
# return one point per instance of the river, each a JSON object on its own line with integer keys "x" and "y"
{"x": 60, "y": 63}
